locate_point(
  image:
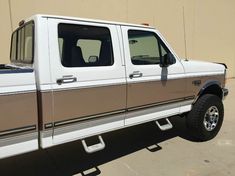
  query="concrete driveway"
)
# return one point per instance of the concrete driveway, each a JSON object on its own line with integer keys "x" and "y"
{"x": 138, "y": 151}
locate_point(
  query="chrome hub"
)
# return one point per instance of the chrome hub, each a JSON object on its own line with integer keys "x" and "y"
{"x": 211, "y": 118}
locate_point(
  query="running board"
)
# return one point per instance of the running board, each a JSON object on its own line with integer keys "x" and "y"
{"x": 95, "y": 147}
{"x": 166, "y": 126}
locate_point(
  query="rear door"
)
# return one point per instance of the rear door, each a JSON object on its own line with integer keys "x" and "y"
{"x": 149, "y": 84}
{"x": 88, "y": 78}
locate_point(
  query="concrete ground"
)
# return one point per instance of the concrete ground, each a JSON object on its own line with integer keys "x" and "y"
{"x": 138, "y": 151}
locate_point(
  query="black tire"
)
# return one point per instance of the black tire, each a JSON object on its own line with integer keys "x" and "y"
{"x": 195, "y": 118}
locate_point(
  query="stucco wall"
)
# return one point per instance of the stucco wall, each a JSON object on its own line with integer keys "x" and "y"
{"x": 209, "y": 24}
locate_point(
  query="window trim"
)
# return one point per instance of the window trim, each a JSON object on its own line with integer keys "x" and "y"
{"x": 16, "y": 60}
{"x": 12, "y": 45}
{"x": 159, "y": 41}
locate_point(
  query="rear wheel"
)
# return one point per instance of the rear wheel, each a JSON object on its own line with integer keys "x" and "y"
{"x": 206, "y": 117}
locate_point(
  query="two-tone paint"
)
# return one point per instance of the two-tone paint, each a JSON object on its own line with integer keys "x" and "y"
{"x": 36, "y": 108}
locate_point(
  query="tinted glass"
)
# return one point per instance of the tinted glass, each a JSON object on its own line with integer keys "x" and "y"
{"x": 145, "y": 47}
{"x": 85, "y": 46}
{"x": 22, "y": 44}
{"x": 28, "y": 43}
{"x": 61, "y": 45}
{"x": 90, "y": 48}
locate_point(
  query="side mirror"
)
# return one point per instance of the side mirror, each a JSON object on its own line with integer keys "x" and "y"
{"x": 167, "y": 59}
{"x": 93, "y": 59}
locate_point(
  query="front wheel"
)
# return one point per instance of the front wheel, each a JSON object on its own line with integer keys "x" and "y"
{"x": 206, "y": 117}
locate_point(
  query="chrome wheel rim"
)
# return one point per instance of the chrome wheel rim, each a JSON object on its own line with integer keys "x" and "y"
{"x": 211, "y": 118}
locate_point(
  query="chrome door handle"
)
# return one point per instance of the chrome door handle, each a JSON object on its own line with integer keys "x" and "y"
{"x": 136, "y": 74}
{"x": 65, "y": 80}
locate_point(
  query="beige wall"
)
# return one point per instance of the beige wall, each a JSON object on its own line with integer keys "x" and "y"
{"x": 210, "y": 25}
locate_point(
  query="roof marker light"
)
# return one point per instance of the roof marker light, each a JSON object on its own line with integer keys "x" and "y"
{"x": 145, "y": 24}
{"x": 21, "y": 22}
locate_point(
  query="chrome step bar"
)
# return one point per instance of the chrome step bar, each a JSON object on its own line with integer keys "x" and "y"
{"x": 95, "y": 147}
{"x": 166, "y": 126}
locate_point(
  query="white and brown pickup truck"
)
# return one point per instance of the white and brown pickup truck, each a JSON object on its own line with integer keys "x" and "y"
{"x": 71, "y": 78}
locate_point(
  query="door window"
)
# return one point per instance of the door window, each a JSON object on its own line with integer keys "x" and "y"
{"x": 145, "y": 47}
{"x": 85, "y": 46}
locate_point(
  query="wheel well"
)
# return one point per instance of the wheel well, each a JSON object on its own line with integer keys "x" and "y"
{"x": 212, "y": 89}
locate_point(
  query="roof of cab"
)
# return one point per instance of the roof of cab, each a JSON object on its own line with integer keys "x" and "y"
{"x": 87, "y": 20}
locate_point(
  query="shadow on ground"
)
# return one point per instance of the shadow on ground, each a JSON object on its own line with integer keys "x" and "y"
{"x": 69, "y": 159}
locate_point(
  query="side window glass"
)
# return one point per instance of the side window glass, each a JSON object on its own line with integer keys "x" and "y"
{"x": 145, "y": 47}
{"x": 85, "y": 46}
{"x": 90, "y": 49}
{"x": 61, "y": 44}
{"x": 163, "y": 51}
{"x": 19, "y": 42}
{"x": 22, "y": 44}
{"x": 28, "y": 43}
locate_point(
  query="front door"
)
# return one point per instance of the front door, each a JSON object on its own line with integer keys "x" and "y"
{"x": 149, "y": 84}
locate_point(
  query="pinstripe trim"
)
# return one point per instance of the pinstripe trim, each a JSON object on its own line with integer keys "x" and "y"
{"x": 82, "y": 119}
{"x": 17, "y": 130}
{"x": 161, "y": 103}
{"x": 175, "y": 77}
{"x": 17, "y": 92}
{"x": 88, "y": 87}
{"x": 65, "y": 122}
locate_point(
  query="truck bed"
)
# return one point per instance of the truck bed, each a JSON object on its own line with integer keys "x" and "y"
{"x": 18, "y": 107}
{"x": 5, "y": 68}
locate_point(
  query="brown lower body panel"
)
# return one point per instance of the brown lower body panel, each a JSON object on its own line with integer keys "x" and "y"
{"x": 18, "y": 113}
{"x": 143, "y": 93}
{"x": 194, "y": 89}
{"x": 140, "y": 94}
{"x": 85, "y": 103}
{"x": 78, "y": 103}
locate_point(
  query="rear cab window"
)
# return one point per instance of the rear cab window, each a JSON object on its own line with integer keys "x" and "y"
{"x": 22, "y": 44}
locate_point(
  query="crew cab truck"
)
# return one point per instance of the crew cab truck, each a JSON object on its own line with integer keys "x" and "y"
{"x": 71, "y": 78}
